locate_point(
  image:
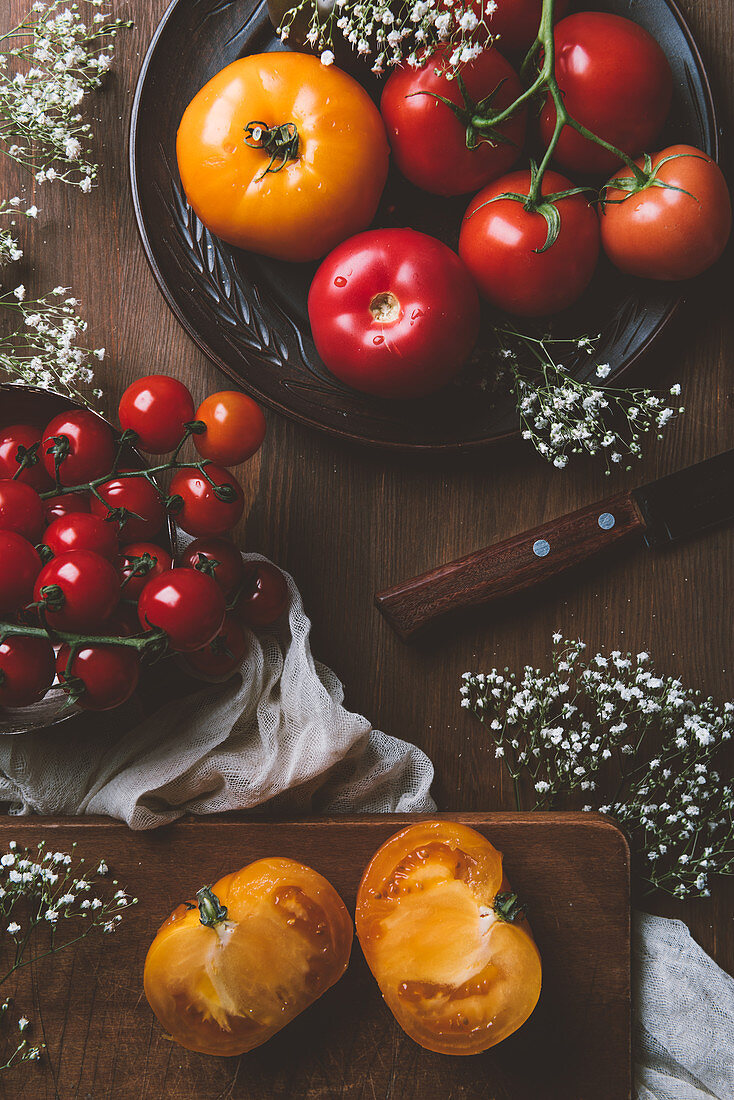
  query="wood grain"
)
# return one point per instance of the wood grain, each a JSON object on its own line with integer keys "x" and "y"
{"x": 348, "y": 522}
{"x": 103, "y": 1041}
{"x": 525, "y": 561}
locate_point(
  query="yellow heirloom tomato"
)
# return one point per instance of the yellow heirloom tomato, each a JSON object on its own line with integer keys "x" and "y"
{"x": 282, "y": 155}
{"x": 225, "y": 974}
{"x": 446, "y": 940}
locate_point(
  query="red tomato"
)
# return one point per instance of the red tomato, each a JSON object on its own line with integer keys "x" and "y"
{"x": 123, "y": 623}
{"x": 99, "y": 677}
{"x": 264, "y": 595}
{"x": 515, "y": 23}
{"x": 66, "y": 504}
{"x": 21, "y": 509}
{"x": 14, "y": 438}
{"x": 137, "y": 507}
{"x": 26, "y": 670}
{"x": 157, "y": 408}
{"x": 186, "y": 604}
{"x": 437, "y": 147}
{"x": 671, "y": 232}
{"x": 91, "y": 446}
{"x": 79, "y": 590}
{"x": 500, "y": 243}
{"x": 81, "y": 531}
{"x": 393, "y": 313}
{"x": 219, "y": 558}
{"x": 222, "y": 656}
{"x": 20, "y": 564}
{"x": 616, "y": 81}
{"x": 235, "y": 428}
{"x": 145, "y": 560}
{"x": 203, "y": 512}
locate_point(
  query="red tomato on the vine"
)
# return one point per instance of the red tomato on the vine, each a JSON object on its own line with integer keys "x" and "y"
{"x": 443, "y": 149}
{"x": 138, "y": 563}
{"x": 186, "y": 604}
{"x": 157, "y": 408}
{"x": 264, "y": 595}
{"x": 82, "y": 531}
{"x": 394, "y": 313}
{"x": 26, "y": 670}
{"x": 90, "y": 443}
{"x": 616, "y": 81}
{"x": 65, "y": 504}
{"x": 235, "y": 428}
{"x": 14, "y": 439}
{"x": 501, "y": 244}
{"x": 142, "y": 512}
{"x": 20, "y": 564}
{"x": 79, "y": 591}
{"x": 219, "y": 558}
{"x": 21, "y": 509}
{"x": 222, "y": 656}
{"x": 203, "y": 511}
{"x": 99, "y": 677}
{"x": 515, "y": 23}
{"x": 668, "y": 232}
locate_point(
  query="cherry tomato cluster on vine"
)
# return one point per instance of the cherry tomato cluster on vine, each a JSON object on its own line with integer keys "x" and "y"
{"x": 85, "y": 563}
{"x": 394, "y": 313}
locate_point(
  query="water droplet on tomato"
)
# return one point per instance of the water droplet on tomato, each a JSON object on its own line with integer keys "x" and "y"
{"x": 416, "y": 314}
{"x": 378, "y": 340}
{"x": 340, "y": 281}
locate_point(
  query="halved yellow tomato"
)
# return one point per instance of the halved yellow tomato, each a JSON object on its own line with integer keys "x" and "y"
{"x": 282, "y": 155}
{"x": 446, "y": 940}
{"x": 226, "y": 973}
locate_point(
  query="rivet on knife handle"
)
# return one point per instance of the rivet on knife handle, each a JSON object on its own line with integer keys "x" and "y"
{"x": 512, "y": 566}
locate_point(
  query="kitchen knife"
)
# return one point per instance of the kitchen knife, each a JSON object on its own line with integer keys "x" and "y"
{"x": 672, "y": 508}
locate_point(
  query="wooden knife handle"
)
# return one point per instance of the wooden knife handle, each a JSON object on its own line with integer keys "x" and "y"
{"x": 515, "y": 565}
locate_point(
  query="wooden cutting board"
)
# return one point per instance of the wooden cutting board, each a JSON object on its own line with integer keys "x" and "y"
{"x": 103, "y": 1041}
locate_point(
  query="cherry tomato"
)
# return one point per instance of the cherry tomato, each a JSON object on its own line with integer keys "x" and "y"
{"x": 394, "y": 313}
{"x": 500, "y": 244}
{"x": 99, "y": 677}
{"x": 91, "y": 446}
{"x": 80, "y": 590}
{"x": 514, "y": 24}
{"x": 25, "y": 436}
{"x": 141, "y": 512}
{"x": 82, "y": 531}
{"x": 20, "y": 564}
{"x": 145, "y": 560}
{"x": 219, "y": 558}
{"x": 186, "y": 604}
{"x": 123, "y": 622}
{"x": 264, "y": 595}
{"x": 65, "y": 504}
{"x": 203, "y": 513}
{"x": 21, "y": 509}
{"x": 616, "y": 81}
{"x": 26, "y": 670}
{"x": 445, "y": 938}
{"x": 672, "y": 232}
{"x": 226, "y": 988}
{"x": 222, "y": 657}
{"x": 437, "y": 147}
{"x": 156, "y": 408}
{"x": 235, "y": 428}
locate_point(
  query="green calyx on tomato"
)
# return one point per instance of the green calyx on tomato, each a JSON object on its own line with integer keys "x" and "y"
{"x": 279, "y": 142}
{"x": 633, "y": 185}
{"x": 509, "y": 908}
{"x": 477, "y": 118}
{"x": 211, "y": 910}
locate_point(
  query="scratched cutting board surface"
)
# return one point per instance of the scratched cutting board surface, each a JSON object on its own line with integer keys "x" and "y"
{"x": 103, "y": 1041}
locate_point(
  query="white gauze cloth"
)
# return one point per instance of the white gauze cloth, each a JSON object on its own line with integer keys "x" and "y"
{"x": 276, "y": 734}
{"x": 683, "y": 1024}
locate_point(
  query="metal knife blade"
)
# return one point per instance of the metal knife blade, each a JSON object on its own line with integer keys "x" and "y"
{"x": 688, "y": 501}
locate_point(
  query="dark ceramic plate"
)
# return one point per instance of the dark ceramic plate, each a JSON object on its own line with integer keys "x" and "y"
{"x": 248, "y": 313}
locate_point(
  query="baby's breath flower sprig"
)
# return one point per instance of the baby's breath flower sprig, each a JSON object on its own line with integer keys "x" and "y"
{"x": 39, "y": 343}
{"x": 42, "y": 891}
{"x": 564, "y": 416}
{"x": 48, "y": 64}
{"x": 391, "y": 34}
{"x": 611, "y": 723}
{"x": 10, "y": 250}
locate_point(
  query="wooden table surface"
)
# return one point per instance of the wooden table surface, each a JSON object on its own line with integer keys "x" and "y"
{"x": 348, "y": 521}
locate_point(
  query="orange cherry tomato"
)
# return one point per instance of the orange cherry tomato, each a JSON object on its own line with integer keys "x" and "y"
{"x": 282, "y": 155}
{"x": 261, "y": 945}
{"x": 445, "y": 939}
{"x": 235, "y": 428}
